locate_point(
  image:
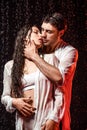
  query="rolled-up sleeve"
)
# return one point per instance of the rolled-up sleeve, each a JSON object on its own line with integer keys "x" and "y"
{"x": 65, "y": 60}
{"x": 59, "y": 106}
{"x": 6, "y": 98}
{"x": 67, "y": 57}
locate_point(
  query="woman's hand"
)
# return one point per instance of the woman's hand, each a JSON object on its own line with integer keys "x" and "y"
{"x": 23, "y": 105}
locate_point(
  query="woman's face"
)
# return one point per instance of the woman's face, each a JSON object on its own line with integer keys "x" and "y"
{"x": 35, "y": 36}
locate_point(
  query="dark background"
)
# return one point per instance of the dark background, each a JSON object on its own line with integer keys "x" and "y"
{"x": 14, "y": 14}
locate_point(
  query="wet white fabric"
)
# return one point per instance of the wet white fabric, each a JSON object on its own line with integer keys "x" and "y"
{"x": 46, "y": 106}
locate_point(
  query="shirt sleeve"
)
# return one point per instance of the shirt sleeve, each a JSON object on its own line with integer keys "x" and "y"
{"x": 59, "y": 106}
{"x": 6, "y": 98}
{"x": 66, "y": 60}
{"x": 67, "y": 57}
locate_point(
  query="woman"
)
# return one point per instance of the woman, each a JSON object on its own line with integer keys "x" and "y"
{"x": 14, "y": 96}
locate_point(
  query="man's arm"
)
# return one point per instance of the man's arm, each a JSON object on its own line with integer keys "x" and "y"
{"x": 48, "y": 70}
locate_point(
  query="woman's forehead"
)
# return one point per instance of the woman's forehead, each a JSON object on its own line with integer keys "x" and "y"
{"x": 35, "y": 28}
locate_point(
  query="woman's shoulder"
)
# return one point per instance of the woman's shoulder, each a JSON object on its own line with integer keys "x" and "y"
{"x": 9, "y": 63}
{"x": 8, "y": 66}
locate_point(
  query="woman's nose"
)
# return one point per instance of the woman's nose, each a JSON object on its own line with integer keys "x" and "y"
{"x": 40, "y": 35}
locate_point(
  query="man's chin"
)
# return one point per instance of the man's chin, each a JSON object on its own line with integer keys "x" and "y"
{"x": 45, "y": 44}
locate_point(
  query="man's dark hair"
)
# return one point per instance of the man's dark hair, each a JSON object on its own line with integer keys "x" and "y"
{"x": 57, "y": 20}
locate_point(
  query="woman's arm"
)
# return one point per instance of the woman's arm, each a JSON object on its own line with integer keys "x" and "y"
{"x": 11, "y": 104}
{"x": 6, "y": 98}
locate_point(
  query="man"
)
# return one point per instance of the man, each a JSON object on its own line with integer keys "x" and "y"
{"x": 53, "y": 28}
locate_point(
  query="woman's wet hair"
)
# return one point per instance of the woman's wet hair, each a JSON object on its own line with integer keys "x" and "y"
{"x": 19, "y": 60}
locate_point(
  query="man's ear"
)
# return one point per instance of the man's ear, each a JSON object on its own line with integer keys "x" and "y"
{"x": 61, "y": 33}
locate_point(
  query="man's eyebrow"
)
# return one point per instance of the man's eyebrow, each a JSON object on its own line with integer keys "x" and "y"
{"x": 46, "y": 29}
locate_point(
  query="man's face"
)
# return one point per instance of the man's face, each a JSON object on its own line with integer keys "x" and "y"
{"x": 49, "y": 34}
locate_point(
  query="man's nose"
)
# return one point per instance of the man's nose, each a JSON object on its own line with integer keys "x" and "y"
{"x": 43, "y": 34}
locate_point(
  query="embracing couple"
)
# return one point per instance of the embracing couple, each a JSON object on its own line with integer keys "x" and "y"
{"x": 37, "y": 82}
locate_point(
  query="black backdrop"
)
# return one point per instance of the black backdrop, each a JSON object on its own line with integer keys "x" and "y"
{"x": 14, "y": 14}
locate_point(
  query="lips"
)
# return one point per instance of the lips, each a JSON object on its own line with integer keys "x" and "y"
{"x": 45, "y": 41}
{"x": 41, "y": 41}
